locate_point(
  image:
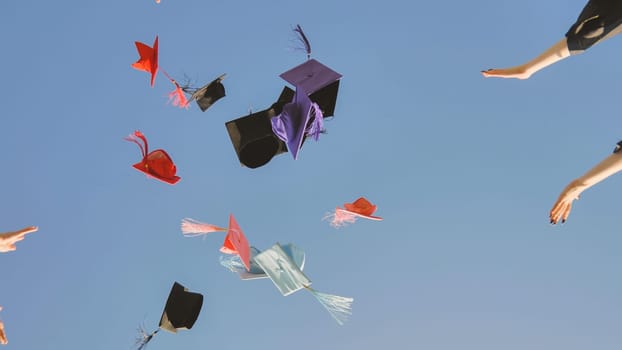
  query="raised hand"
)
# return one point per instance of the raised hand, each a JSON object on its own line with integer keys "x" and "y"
{"x": 8, "y": 239}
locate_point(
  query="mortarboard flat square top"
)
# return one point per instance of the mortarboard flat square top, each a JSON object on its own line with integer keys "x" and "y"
{"x": 256, "y": 272}
{"x": 236, "y": 243}
{"x": 182, "y": 309}
{"x": 311, "y": 76}
{"x": 283, "y": 272}
{"x": 209, "y": 94}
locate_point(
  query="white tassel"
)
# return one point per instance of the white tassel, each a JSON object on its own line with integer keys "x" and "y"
{"x": 193, "y": 228}
{"x": 339, "y": 307}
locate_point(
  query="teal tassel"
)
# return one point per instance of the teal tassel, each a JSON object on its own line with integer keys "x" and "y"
{"x": 338, "y": 307}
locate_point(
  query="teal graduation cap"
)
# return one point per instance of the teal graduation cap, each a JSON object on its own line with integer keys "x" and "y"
{"x": 285, "y": 271}
{"x": 234, "y": 264}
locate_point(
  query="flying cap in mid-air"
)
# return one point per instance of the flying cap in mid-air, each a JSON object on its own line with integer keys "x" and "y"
{"x": 157, "y": 164}
{"x": 235, "y": 242}
{"x": 289, "y": 278}
{"x": 180, "y": 312}
{"x": 148, "y": 61}
{"x": 360, "y": 208}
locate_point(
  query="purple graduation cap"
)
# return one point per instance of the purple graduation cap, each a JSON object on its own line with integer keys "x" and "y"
{"x": 295, "y": 123}
{"x": 318, "y": 81}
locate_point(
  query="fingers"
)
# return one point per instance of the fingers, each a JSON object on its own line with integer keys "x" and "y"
{"x": 3, "y": 339}
{"x": 490, "y": 72}
{"x": 566, "y": 212}
{"x": 19, "y": 234}
{"x": 27, "y": 230}
{"x": 560, "y": 210}
{"x": 514, "y": 72}
{"x": 557, "y": 208}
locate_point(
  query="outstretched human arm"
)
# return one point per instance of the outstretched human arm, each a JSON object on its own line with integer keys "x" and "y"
{"x": 8, "y": 239}
{"x": 561, "y": 208}
{"x": 555, "y": 53}
{"x": 3, "y": 339}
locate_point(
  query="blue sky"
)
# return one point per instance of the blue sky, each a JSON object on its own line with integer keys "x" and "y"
{"x": 463, "y": 169}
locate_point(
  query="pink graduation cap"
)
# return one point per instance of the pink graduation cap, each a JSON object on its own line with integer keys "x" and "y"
{"x": 295, "y": 123}
{"x": 235, "y": 242}
{"x": 347, "y": 215}
{"x": 288, "y": 277}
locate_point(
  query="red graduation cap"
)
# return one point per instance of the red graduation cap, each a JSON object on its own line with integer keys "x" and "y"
{"x": 157, "y": 164}
{"x": 148, "y": 60}
{"x": 363, "y": 208}
{"x": 359, "y": 208}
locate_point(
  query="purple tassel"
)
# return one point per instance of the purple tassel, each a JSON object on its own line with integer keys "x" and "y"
{"x": 303, "y": 38}
{"x": 317, "y": 125}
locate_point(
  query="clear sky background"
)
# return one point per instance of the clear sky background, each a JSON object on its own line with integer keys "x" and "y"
{"x": 463, "y": 169}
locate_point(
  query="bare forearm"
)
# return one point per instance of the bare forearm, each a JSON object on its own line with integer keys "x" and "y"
{"x": 553, "y": 54}
{"x": 601, "y": 171}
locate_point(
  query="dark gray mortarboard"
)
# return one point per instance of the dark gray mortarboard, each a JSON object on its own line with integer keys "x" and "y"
{"x": 208, "y": 94}
{"x": 180, "y": 312}
{"x": 252, "y": 136}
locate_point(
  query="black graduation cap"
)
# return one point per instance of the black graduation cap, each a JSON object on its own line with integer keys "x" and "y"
{"x": 181, "y": 311}
{"x": 252, "y": 137}
{"x": 208, "y": 94}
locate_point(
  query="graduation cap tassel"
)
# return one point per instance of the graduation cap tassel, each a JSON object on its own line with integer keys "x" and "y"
{"x": 317, "y": 125}
{"x": 303, "y": 38}
{"x": 177, "y": 97}
{"x": 144, "y": 338}
{"x": 135, "y": 137}
{"x": 340, "y": 218}
{"x": 193, "y": 228}
{"x": 339, "y": 307}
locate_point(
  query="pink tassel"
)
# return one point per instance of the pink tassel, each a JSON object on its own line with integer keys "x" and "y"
{"x": 193, "y": 228}
{"x": 135, "y": 137}
{"x": 177, "y": 97}
{"x": 340, "y": 218}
